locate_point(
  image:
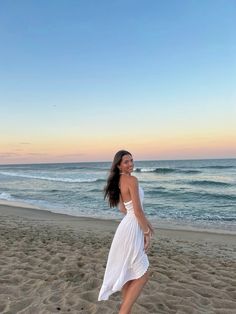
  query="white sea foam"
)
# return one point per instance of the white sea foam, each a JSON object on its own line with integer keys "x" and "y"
{"x": 15, "y": 174}
{"x": 6, "y": 196}
{"x": 147, "y": 169}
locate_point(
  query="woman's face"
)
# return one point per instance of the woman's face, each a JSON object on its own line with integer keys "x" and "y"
{"x": 127, "y": 164}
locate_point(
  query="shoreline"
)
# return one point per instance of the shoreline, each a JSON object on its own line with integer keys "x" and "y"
{"x": 97, "y": 225}
{"x": 158, "y": 224}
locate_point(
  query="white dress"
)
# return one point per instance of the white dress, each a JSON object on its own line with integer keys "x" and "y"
{"x": 127, "y": 259}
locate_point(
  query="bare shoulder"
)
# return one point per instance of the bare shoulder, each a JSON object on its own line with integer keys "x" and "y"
{"x": 133, "y": 181}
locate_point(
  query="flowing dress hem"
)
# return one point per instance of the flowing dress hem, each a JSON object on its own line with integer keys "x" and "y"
{"x": 106, "y": 294}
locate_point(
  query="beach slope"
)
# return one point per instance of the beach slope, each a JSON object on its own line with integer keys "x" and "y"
{"x": 53, "y": 263}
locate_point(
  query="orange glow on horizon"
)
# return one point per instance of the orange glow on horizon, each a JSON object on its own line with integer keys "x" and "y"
{"x": 81, "y": 148}
{"x": 104, "y": 149}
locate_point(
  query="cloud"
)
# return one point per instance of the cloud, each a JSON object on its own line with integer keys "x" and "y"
{"x": 8, "y": 154}
{"x": 15, "y": 154}
{"x": 36, "y": 154}
{"x": 73, "y": 155}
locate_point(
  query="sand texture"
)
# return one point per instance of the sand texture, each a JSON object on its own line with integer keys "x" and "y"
{"x": 51, "y": 263}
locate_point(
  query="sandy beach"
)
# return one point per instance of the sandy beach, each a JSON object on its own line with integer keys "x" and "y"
{"x": 54, "y": 263}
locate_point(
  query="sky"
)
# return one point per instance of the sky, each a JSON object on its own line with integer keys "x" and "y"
{"x": 80, "y": 80}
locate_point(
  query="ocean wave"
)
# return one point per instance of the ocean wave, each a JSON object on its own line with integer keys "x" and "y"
{"x": 52, "y": 167}
{"x": 153, "y": 191}
{"x": 67, "y": 180}
{"x": 6, "y": 196}
{"x": 180, "y": 194}
{"x": 210, "y": 183}
{"x": 159, "y": 170}
{"x": 144, "y": 169}
{"x": 217, "y": 218}
{"x": 190, "y": 171}
{"x": 195, "y": 217}
{"x": 217, "y": 167}
{"x": 96, "y": 190}
{"x": 216, "y": 196}
{"x": 166, "y": 170}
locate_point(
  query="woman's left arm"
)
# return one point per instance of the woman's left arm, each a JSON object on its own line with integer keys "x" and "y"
{"x": 150, "y": 227}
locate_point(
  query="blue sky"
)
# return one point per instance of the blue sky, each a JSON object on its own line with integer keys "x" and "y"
{"x": 91, "y": 69}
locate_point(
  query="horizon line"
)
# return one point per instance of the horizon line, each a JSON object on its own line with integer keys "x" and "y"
{"x": 78, "y": 162}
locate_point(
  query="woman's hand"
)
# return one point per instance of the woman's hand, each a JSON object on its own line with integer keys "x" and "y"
{"x": 151, "y": 228}
{"x": 147, "y": 242}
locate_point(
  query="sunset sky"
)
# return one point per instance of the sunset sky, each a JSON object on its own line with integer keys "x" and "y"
{"x": 80, "y": 80}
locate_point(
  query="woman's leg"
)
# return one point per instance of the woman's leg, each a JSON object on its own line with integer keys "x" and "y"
{"x": 131, "y": 294}
{"x": 125, "y": 289}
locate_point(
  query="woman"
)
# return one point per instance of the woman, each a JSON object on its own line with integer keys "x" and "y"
{"x": 127, "y": 264}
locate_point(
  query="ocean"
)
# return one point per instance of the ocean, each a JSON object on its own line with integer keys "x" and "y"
{"x": 186, "y": 194}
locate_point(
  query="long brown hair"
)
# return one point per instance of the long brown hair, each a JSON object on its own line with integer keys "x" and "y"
{"x": 112, "y": 190}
